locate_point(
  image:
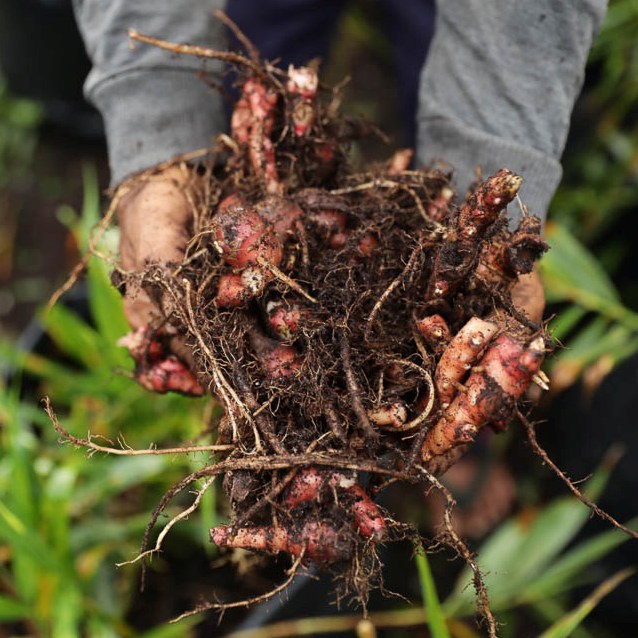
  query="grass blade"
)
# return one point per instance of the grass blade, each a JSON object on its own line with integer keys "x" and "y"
{"x": 550, "y": 610}
{"x": 562, "y": 573}
{"x": 570, "y": 270}
{"x": 571, "y": 273}
{"x": 565, "y": 321}
{"x": 107, "y": 310}
{"x": 11, "y": 609}
{"x": 524, "y": 547}
{"x": 182, "y": 629}
{"x": 566, "y": 625}
{"x": 73, "y": 336}
{"x": 432, "y": 606}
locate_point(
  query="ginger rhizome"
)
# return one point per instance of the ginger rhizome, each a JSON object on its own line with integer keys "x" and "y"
{"x": 362, "y": 317}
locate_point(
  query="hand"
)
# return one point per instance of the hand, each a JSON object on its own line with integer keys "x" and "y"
{"x": 154, "y": 222}
{"x": 528, "y": 295}
{"x": 155, "y": 219}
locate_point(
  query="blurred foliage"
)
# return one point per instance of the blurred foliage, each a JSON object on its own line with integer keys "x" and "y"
{"x": 433, "y": 612}
{"x": 530, "y": 561}
{"x": 65, "y": 519}
{"x": 595, "y": 331}
{"x": 596, "y": 325}
{"x": 19, "y": 119}
{"x": 18, "y": 124}
{"x": 600, "y": 182}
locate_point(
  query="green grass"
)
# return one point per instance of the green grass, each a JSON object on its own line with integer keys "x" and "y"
{"x": 65, "y": 516}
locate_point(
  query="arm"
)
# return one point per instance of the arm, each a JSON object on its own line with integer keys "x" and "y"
{"x": 155, "y": 107}
{"x": 153, "y": 103}
{"x": 498, "y": 90}
{"x": 499, "y": 86}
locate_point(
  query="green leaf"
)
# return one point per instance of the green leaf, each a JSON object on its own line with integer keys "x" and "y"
{"x": 67, "y": 610}
{"x": 569, "y": 268}
{"x": 90, "y": 206}
{"x": 102, "y": 628}
{"x": 588, "y": 345}
{"x": 107, "y": 310}
{"x": 523, "y": 548}
{"x": 114, "y": 475}
{"x": 35, "y": 364}
{"x": 73, "y": 336}
{"x": 11, "y": 609}
{"x": 95, "y": 531}
{"x": 566, "y": 625}
{"x": 25, "y": 540}
{"x": 598, "y": 341}
{"x": 550, "y": 610}
{"x": 565, "y": 321}
{"x": 57, "y": 495}
{"x": 180, "y": 629}
{"x": 561, "y": 574}
{"x": 495, "y": 557}
{"x": 571, "y": 273}
{"x": 432, "y": 606}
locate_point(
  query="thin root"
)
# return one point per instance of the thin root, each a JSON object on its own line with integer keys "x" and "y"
{"x": 354, "y": 390}
{"x": 531, "y": 435}
{"x": 454, "y": 541}
{"x": 252, "y": 51}
{"x": 282, "y": 276}
{"x": 199, "y": 51}
{"x": 292, "y": 573}
{"x": 176, "y": 519}
{"x": 88, "y": 443}
{"x": 390, "y": 289}
{"x": 410, "y": 425}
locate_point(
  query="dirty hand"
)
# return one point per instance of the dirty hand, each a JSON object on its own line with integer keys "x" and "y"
{"x": 528, "y": 295}
{"x": 155, "y": 218}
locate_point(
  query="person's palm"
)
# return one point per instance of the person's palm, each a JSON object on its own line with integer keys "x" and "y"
{"x": 155, "y": 218}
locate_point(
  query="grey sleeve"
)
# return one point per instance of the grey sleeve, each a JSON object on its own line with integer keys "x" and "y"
{"x": 499, "y": 86}
{"x": 154, "y": 104}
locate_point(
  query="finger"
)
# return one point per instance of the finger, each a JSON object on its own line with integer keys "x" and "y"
{"x": 139, "y": 310}
{"x": 528, "y": 296}
{"x": 155, "y": 218}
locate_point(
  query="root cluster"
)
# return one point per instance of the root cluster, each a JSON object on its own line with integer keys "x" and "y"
{"x": 357, "y": 326}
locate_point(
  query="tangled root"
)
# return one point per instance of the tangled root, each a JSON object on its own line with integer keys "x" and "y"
{"x": 357, "y": 326}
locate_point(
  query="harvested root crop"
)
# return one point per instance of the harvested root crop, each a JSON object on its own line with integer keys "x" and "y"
{"x": 356, "y": 326}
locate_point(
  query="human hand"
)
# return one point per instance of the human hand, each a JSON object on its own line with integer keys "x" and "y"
{"x": 154, "y": 220}
{"x": 528, "y": 295}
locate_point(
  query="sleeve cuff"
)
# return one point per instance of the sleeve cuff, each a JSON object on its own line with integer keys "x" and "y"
{"x": 443, "y": 139}
{"x": 154, "y": 114}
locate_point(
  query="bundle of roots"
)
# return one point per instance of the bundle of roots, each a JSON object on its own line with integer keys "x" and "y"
{"x": 357, "y": 327}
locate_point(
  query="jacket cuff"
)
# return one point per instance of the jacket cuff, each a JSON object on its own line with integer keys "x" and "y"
{"x": 448, "y": 140}
{"x": 154, "y": 114}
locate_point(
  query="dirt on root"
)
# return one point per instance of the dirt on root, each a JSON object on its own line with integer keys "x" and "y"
{"x": 319, "y": 302}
